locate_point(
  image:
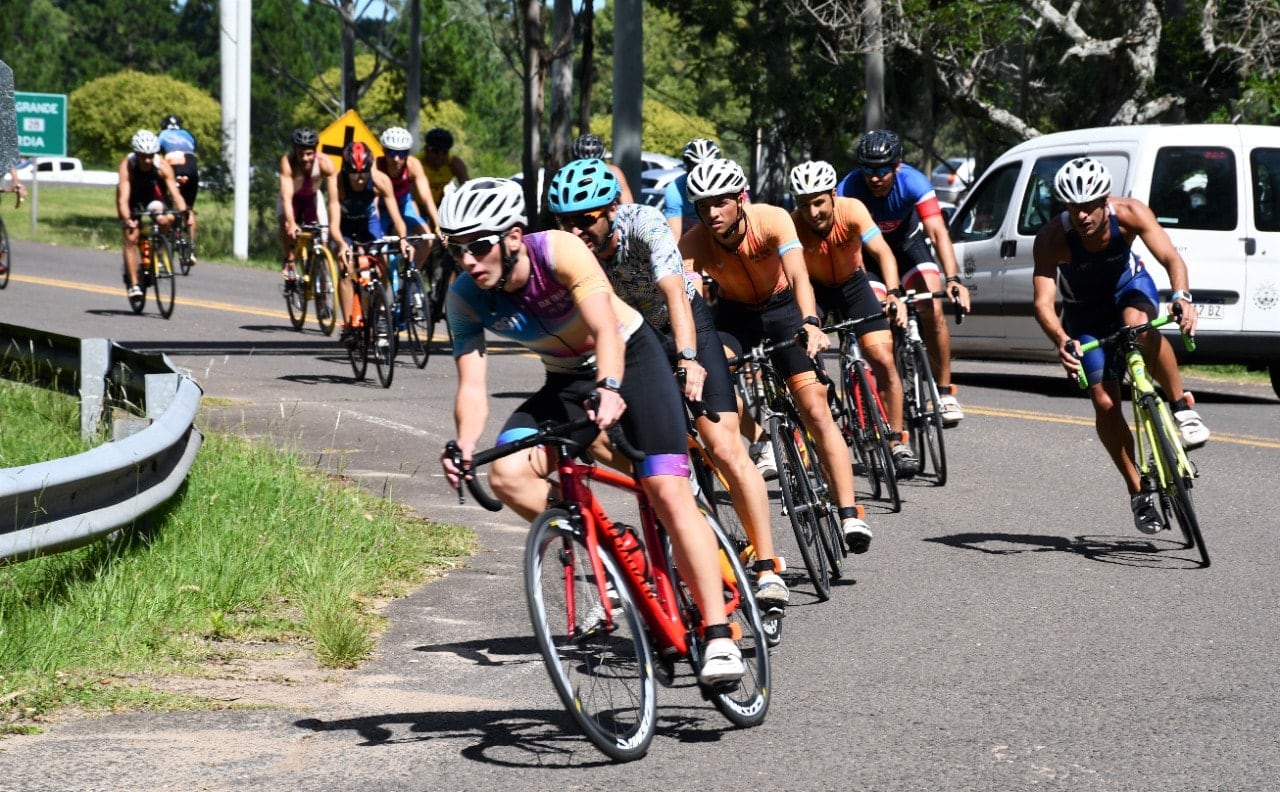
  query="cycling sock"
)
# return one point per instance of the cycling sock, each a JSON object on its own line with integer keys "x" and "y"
{"x": 855, "y": 511}
{"x": 714, "y": 631}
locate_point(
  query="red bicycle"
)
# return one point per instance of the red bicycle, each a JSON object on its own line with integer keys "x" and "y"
{"x": 609, "y": 609}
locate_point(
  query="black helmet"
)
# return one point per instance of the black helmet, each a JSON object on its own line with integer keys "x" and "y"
{"x": 171, "y": 121}
{"x": 438, "y": 139}
{"x": 305, "y": 137}
{"x": 878, "y": 148}
{"x": 588, "y": 146}
{"x": 357, "y": 158}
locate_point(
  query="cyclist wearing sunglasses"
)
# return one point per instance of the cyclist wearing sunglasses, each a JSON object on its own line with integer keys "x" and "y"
{"x": 753, "y": 252}
{"x": 412, "y": 190}
{"x": 546, "y": 292}
{"x": 360, "y": 187}
{"x": 834, "y": 232}
{"x": 902, "y": 202}
{"x": 639, "y": 255}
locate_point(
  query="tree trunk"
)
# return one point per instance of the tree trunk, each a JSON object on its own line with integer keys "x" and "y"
{"x": 413, "y": 74}
{"x": 561, "y": 85}
{"x": 531, "y": 13}
{"x": 587, "y": 27}
{"x": 350, "y": 85}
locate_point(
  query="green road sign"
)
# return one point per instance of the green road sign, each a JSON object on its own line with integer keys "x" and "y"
{"x": 42, "y": 124}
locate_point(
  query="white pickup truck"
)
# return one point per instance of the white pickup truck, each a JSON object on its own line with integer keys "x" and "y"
{"x": 62, "y": 170}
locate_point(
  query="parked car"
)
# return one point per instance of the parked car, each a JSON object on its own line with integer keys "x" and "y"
{"x": 1215, "y": 188}
{"x": 61, "y": 170}
{"x": 951, "y": 178}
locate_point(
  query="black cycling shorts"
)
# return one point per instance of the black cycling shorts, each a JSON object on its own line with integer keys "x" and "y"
{"x": 853, "y": 299}
{"x": 654, "y": 421}
{"x": 779, "y": 320}
{"x": 188, "y": 180}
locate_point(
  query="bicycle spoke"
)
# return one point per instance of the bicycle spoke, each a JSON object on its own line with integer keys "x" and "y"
{"x": 594, "y": 647}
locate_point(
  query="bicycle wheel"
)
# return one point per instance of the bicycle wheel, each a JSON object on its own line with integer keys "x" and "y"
{"x": 748, "y": 702}
{"x": 416, "y": 310}
{"x": 595, "y": 649}
{"x": 324, "y": 285}
{"x": 358, "y": 347}
{"x": 715, "y": 500}
{"x": 382, "y": 329}
{"x": 295, "y": 291}
{"x": 162, "y": 276}
{"x": 441, "y": 268}
{"x": 922, "y": 413}
{"x": 5, "y": 261}
{"x": 825, "y": 514}
{"x": 1175, "y": 492}
{"x": 873, "y": 435}
{"x": 182, "y": 253}
{"x": 799, "y": 501}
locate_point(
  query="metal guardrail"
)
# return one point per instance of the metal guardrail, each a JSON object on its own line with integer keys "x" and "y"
{"x": 49, "y": 507}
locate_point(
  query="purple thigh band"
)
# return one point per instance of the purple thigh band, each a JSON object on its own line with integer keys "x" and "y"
{"x": 665, "y": 465}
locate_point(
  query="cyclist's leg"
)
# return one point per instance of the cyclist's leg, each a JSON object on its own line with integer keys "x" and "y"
{"x": 722, "y": 440}
{"x": 925, "y": 275}
{"x": 286, "y": 241}
{"x": 190, "y": 189}
{"x": 659, "y": 430}
{"x": 131, "y": 253}
{"x": 1138, "y": 298}
{"x": 520, "y": 480}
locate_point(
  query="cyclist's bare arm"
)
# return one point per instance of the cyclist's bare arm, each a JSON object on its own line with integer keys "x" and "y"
{"x": 422, "y": 192}
{"x": 470, "y": 407}
{"x": 1049, "y": 252}
{"x": 1136, "y": 218}
{"x": 387, "y": 192}
{"x": 123, "y": 195}
{"x": 684, "y": 332}
{"x": 286, "y": 197}
{"x": 797, "y": 275}
{"x": 936, "y": 227}
{"x": 879, "y": 248}
{"x": 459, "y": 169}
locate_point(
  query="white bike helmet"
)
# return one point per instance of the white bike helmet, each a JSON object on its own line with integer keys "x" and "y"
{"x": 697, "y": 150}
{"x": 815, "y": 176}
{"x": 493, "y": 205}
{"x": 1081, "y": 181}
{"x": 145, "y": 142}
{"x": 396, "y": 139}
{"x": 714, "y": 177}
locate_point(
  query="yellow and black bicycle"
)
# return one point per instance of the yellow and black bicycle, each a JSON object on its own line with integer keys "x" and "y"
{"x": 1160, "y": 458}
{"x": 317, "y": 280}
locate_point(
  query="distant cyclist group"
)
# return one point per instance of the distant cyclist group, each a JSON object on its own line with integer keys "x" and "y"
{"x": 644, "y": 319}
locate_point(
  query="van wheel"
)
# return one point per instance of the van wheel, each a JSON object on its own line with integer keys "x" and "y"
{"x": 1275, "y": 376}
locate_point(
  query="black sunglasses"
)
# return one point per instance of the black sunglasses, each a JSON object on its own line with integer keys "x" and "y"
{"x": 478, "y": 248}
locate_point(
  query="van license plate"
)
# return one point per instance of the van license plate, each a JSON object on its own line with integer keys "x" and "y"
{"x": 1209, "y": 310}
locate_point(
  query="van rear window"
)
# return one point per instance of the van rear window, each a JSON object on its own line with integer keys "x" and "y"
{"x": 1194, "y": 187}
{"x": 1264, "y": 169}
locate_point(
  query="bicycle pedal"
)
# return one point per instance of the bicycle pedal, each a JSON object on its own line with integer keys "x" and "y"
{"x": 773, "y": 613}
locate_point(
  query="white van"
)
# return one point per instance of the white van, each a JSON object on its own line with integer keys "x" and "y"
{"x": 1214, "y": 187}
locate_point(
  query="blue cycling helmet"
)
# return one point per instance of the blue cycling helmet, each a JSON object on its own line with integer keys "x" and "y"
{"x": 583, "y": 185}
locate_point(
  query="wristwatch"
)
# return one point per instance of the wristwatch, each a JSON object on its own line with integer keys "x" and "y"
{"x": 813, "y": 320}
{"x": 1181, "y": 295}
{"x": 609, "y": 383}
{"x": 688, "y": 353}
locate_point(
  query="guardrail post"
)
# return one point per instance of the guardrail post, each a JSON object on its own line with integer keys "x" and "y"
{"x": 161, "y": 388}
{"x": 95, "y": 363}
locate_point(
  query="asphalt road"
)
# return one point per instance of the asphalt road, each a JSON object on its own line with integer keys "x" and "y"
{"x": 1008, "y": 631}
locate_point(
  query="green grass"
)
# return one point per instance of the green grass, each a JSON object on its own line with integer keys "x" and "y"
{"x": 256, "y": 546}
{"x": 85, "y": 217}
{"x": 1225, "y": 373}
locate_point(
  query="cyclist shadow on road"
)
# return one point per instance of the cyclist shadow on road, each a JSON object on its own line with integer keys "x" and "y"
{"x": 524, "y": 738}
{"x": 1152, "y": 552}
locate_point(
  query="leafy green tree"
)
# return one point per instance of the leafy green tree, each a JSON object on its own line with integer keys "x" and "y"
{"x": 665, "y": 130}
{"x": 103, "y": 114}
{"x": 32, "y": 37}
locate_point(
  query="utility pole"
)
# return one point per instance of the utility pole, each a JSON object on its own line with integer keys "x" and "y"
{"x": 236, "y": 27}
{"x": 628, "y": 88}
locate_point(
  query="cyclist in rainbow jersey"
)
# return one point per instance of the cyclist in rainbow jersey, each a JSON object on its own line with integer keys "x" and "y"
{"x": 547, "y": 292}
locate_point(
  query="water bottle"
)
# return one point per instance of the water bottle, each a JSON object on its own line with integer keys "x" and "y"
{"x": 630, "y": 551}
